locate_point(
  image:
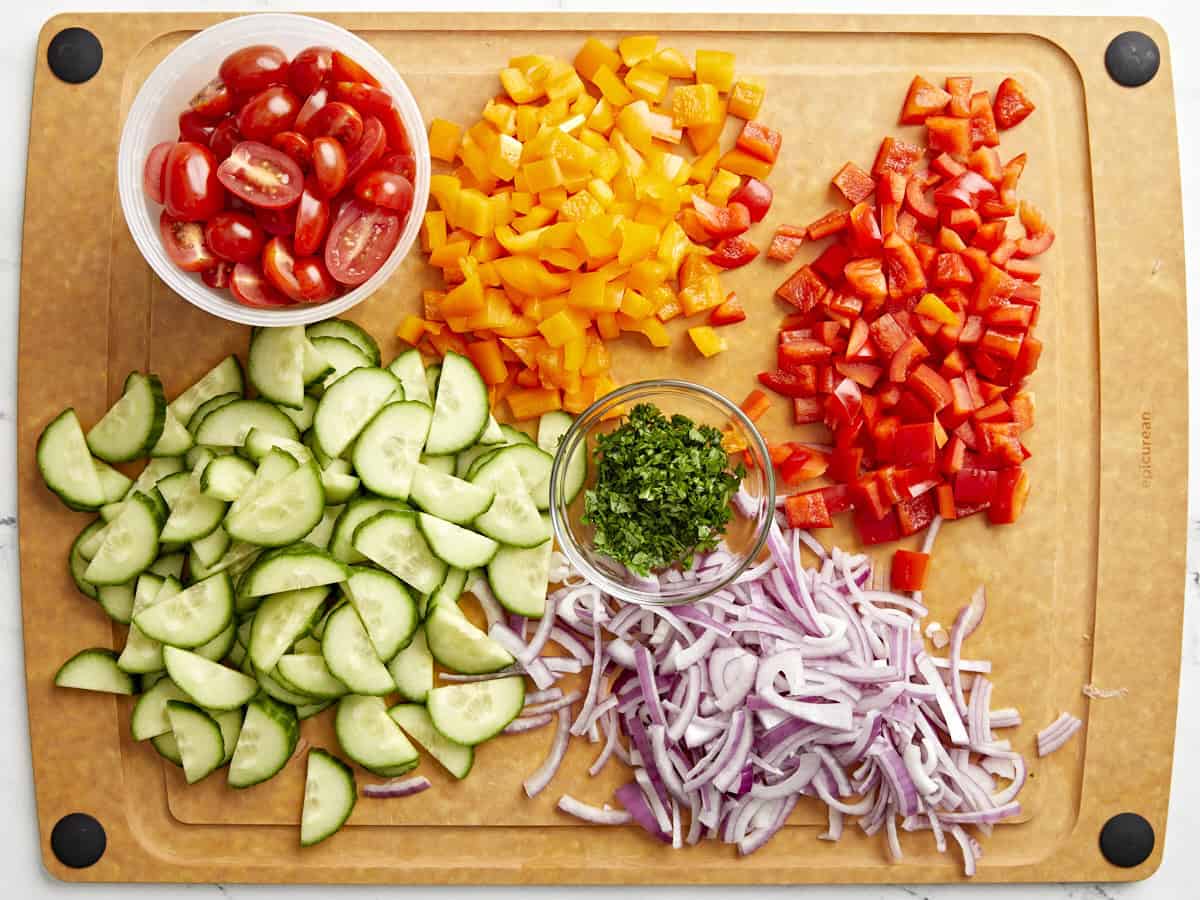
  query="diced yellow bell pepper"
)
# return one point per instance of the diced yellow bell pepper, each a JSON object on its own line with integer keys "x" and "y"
{"x": 553, "y": 198}
{"x": 746, "y": 97}
{"x": 575, "y": 185}
{"x": 502, "y": 115}
{"x": 580, "y": 206}
{"x": 521, "y": 202}
{"x": 483, "y": 135}
{"x": 673, "y": 246}
{"x": 636, "y": 305}
{"x": 695, "y": 104}
{"x": 573, "y": 155}
{"x": 707, "y": 340}
{"x": 602, "y": 117}
{"x": 583, "y": 105}
{"x": 689, "y": 192}
{"x": 646, "y": 83}
{"x": 497, "y": 312}
{"x": 932, "y": 306}
{"x": 637, "y": 47}
{"x": 744, "y": 164}
{"x": 459, "y": 324}
{"x": 433, "y": 231}
{"x": 529, "y": 403}
{"x": 516, "y": 242}
{"x": 634, "y": 129}
{"x": 431, "y": 304}
{"x": 566, "y": 86}
{"x": 593, "y": 139}
{"x": 702, "y": 294}
{"x": 633, "y": 163}
{"x": 574, "y": 353}
{"x": 600, "y": 236}
{"x": 655, "y": 332}
{"x": 625, "y": 190}
{"x": 671, "y": 63}
{"x": 411, "y": 330}
{"x": 559, "y": 236}
{"x": 703, "y": 137}
{"x": 529, "y": 62}
{"x": 464, "y": 300}
{"x": 443, "y": 139}
{"x": 592, "y": 55}
{"x": 488, "y": 273}
{"x": 715, "y": 67}
{"x": 506, "y": 158}
{"x": 598, "y": 361}
{"x": 449, "y": 254}
{"x": 576, "y": 402}
{"x": 517, "y": 85}
{"x": 527, "y": 122}
{"x": 655, "y": 189}
{"x": 646, "y": 275}
{"x": 469, "y": 267}
{"x": 574, "y": 122}
{"x": 652, "y": 215}
{"x": 606, "y": 326}
{"x": 560, "y": 328}
{"x": 608, "y": 164}
{"x": 704, "y": 165}
{"x": 542, "y": 174}
{"x": 568, "y": 260}
{"x": 444, "y": 189}
{"x": 602, "y": 191}
{"x": 486, "y": 249}
{"x": 673, "y": 167}
{"x": 554, "y": 112}
{"x": 637, "y": 242}
{"x": 587, "y": 291}
{"x": 502, "y": 211}
{"x": 521, "y": 326}
{"x": 474, "y": 212}
{"x": 528, "y": 276}
{"x": 612, "y": 87}
{"x": 722, "y": 185}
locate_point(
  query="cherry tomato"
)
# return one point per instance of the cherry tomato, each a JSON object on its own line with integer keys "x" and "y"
{"x": 213, "y": 101}
{"x": 360, "y": 241}
{"x": 393, "y": 127}
{"x": 267, "y": 113}
{"x": 315, "y": 102}
{"x": 369, "y": 148}
{"x": 402, "y": 163}
{"x": 277, "y": 221}
{"x": 152, "y": 174}
{"x": 295, "y": 145}
{"x": 235, "y": 236}
{"x": 279, "y": 266}
{"x": 340, "y": 121}
{"x": 195, "y": 128}
{"x": 346, "y": 69}
{"x": 250, "y": 288}
{"x": 309, "y": 68}
{"x": 191, "y": 190}
{"x": 329, "y": 166}
{"x": 249, "y": 70}
{"x": 311, "y": 222}
{"x": 225, "y": 138}
{"x": 184, "y": 243}
{"x": 315, "y": 283}
{"x": 368, "y": 100}
{"x": 391, "y": 190}
{"x": 218, "y": 276}
{"x": 262, "y": 176}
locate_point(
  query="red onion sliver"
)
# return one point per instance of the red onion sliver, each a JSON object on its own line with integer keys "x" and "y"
{"x": 400, "y": 787}
{"x": 528, "y": 723}
{"x": 537, "y": 782}
{"x": 592, "y": 814}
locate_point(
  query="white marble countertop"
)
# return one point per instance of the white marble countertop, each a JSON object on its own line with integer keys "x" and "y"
{"x": 24, "y": 876}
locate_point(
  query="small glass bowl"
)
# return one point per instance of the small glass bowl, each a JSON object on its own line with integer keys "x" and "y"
{"x": 744, "y": 536}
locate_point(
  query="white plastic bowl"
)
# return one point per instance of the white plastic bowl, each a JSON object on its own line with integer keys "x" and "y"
{"x": 154, "y": 118}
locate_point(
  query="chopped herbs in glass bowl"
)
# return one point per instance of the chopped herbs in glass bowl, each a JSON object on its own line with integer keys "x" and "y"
{"x": 668, "y": 514}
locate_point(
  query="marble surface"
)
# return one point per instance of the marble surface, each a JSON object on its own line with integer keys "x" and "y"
{"x": 19, "y": 856}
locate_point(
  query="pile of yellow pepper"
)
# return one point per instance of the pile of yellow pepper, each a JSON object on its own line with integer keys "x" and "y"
{"x": 559, "y": 227}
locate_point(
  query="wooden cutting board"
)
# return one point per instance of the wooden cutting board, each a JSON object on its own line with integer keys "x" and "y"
{"x": 1087, "y": 589}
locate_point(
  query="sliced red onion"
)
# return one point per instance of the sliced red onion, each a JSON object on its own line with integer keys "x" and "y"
{"x": 399, "y": 787}
{"x": 592, "y": 814}
{"x": 631, "y": 797}
{"x": 593, "y": 692}
{"x": 1057, "y": 733}
{"x": 542, "y": 696}
{"x": 537, "y": 782}
{"x": 650, "y": 696}
{"x": 538, "y": 669}
{"x": 528, "y": 723}
{"x": 571, "y": 644}
{"x": 541, "y": 636}
{"x": 658, "y": 806}
{"x": 552, "y": 705}
{"x": 492, "y": 610}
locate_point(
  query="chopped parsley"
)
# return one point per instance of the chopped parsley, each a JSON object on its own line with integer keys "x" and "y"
{"x": 662, "y": 491}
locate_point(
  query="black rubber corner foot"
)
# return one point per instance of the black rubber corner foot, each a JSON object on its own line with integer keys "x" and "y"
{"x": 1127, "y": 840}
{"x": 78, "y": 840}
{"x": 1132, "y": 59}
{"x": 74, "y": 55}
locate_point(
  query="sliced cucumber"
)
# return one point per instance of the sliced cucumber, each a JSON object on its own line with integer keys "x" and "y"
{"x": 308, "y": 710}
{"x": 520, "y": 577}
{"x": 208, "y": 683}
{"x": 480, "y": 461}
{"x": 513, "y": 518}
{"x": 267, "y": 741}
{"x": 275, "y": 688}
{"x": 310, "y": 441}
{"x": 208, "y": 407}
{"x": 141, "y": 654}
{"x": 275, "y": 466}
{"x": 350, "y": 655}
{"x": 460, "y": 412}
{"x": 134, "y": 424}
{"x": 283, "y": 513}
{"x": 130, "y": 543}
{"x": 349, "y": 404}
{"x": 198, "y": 458}
{"x": 149, "y": 716}
{"x": 410, "y": 371}
{"x": 291, "y": 568}
{"x": 155, "y": 471}
{"x": 492, "y": 434}
{"x": 341, "y": 356}
{"x": 175, "y": 439}
{"x": 308, "y": 646}
{"x": 309, "y": 674}
{"x": 170, "y": 564}
{"x": 94, "y": 669}
{"x": 192, "y": 617}
{"x": 449, "y": 591}
{"x": 303, "y": 417}
{"x": 442, "y": 464}
{"x": 339, "y": 486}
{"x": 447, "y": 497}
{"x": 259, "y": 443}
{"x": 280, "y": 621}
{"x": 456, "y": 758}
{"x": 210, "y": 548}
{"x": 472, "y": 713}
{"x": 230, "y": 723}
{"x": 329, "y": 797}
{"x": 77, "y": 563}
{"x": 218, "y": 648}
{"x": 412, "y": 669}
{"x": 393, "y": 540}
{"x": 370, "y": 737}
{"x": 117, "y": 601}
{"x": 166, "y": 747}
{"x": 113, "y": 484}
{"x": 460, "y": 646}
{"x": 385, "y": 607}
{"x": 389, "y": 447}
{"x": 455, "y": 545}
{"x": 237, "y": 559}
{"x": 193, "y": 515}
{"x": 224, "y": 378}
{"x": 66, "y": 463}
{"x": 346, "y": 331}
{"x": 198, "y": 739}
{"x": 275, "y": 364}
{"x": 354, "y": 513}
{"x": 552, "y": 428}
{"x": 466, "y": 459}
{"x": 433, "y": 375}
{"x": 532, "y": 464}
{"x": 322, "y": 532}
{"x": 229, "y": 425}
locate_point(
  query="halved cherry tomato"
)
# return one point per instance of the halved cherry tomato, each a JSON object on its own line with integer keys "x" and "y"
{"x": 295, "y": 145}
{"x": 346, "y": 69}
{"x": 218, "y": 276}
{"x": 249, "y": 70}
{"x": 310, "y": 67}
{"x": 393, "y": 126}
{"x": 250, "y": 288}
{"x": 369, "y": 148}
{"x": 224, "y": 139}
{"x": 312, "y": 223}
{"x": 368, "y": 100}
{"x": 360, "y": 241}
{"x": 402, "y": 163}
{"x": 756, "y": 196}
{"x": 213, "y": 101}
{"x": 391, "y": 190}
{"x": 329, "y": 166}
{"x": 195, "y": 127}
{"x": 315, "y": 283}
{"x": 152, "y": 174}
{"x": 235, "y": 236}
{"x": 184, "y": 243}
{"x": 191, "y": 189}
{"x": 279, "y": 266}
{"x": 277, "y": 221}
{"x": 262, "y": 176}
{"x": 340, "y": 121}
{"x": 312, "y": 105}
{"x": 267, "y": 113}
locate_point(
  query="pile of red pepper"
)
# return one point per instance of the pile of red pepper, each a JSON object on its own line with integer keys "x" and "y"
{"x": 913, "y": 331}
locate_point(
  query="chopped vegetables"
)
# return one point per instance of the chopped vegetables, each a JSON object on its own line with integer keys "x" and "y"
{"x": 574, "y": 214}
{"x": 1057, "y": 733}
{"x": 912, "y": 336}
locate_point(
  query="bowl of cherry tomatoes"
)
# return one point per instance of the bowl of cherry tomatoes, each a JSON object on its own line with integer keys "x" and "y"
{"x": 273, "y": 170}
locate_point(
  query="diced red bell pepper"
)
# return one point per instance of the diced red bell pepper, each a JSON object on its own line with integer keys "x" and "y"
{"x": 807, "y": 510}
{"x": 721, "y": 221}
{"x": 1009, "y": 316}
{"x": 1034, "y": 245}
{"x": 915, "y": 514}
{"x": 787, "y": 384}
{"x": 827, "y": 332}
{"x": 868, "y": 496}
{"x": 951, "y": 271}
{"x": 914, "y": 445}
{"x": 948, "y": 134}
{"x": 927, "y": 256}
{"x": 975, "y": 486}
{"x": 896, "y": 156}
{"x": 953, "y": 456}
{"x": 778, "y": 453}
{"x": 825, "y": 379}
{"x": 1024, "y": 269}
{"x": 960, "y": 96}
{"x": 728, "y": 313}
{"x": 876, "y": 529}
{"x": 1010, "y": 496}
{"x": 888, "y": 334}
{"x": 944, "y": 499}
{"x": 846, "y": 306}
{"x": 983, "y": 122}
{"x": 923, "y": 100}
{"x": 950, "y": 241}
{"x": 906, "y": 358}
{"x": 865, "y": 278}
{"x": 846, "y": 402}
{"x": 786, "y": 243}
{"x": 803, "y": 290}
{"x": 1027, "y": 360}
{"x": 988, "y": 236}
{"x": 1023, "y": 409}
{"x": 845, "y": 463}
{"x": 1000, "y": 208}
{"x": 733, "y": 253}
{"x": 1003, "y": 441}
{"x": 965, "y": 221}
{"x": 1001, "y": 344}
{"x": 946, "y": 165}
{"x": 806, "y": 410}
{"x": 930, "y": 387}
{"x": 902, "y": 268}
{"x": 802, "y": 352}
{"x": 803, "y": 465}
{"x": 986, "y": 161}
{"x": 760, "y": 141}
{"x": 883, "y": 436}
{"x": 837, "y": 498}
{"x": 855, "y": 184}
{"x": 1013, "y": 170}
{"x": 864, "y": 230}
{"x": 906, "y": 226}
{"x": 965, "y": 191}
{"x": 1012, "y": 105}
{"x": 920, "y": 205}
{"x": 863, "y": 374}
{"x": 756, "y": 196}
{"x": 832, "y": 261}
{"x": 755, "y": 405}
{"x": 1003, "y": 253}
{"x": 831, "y": 223}
{"x": 909, "y": 569}
{"x": 859, "y": 341}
